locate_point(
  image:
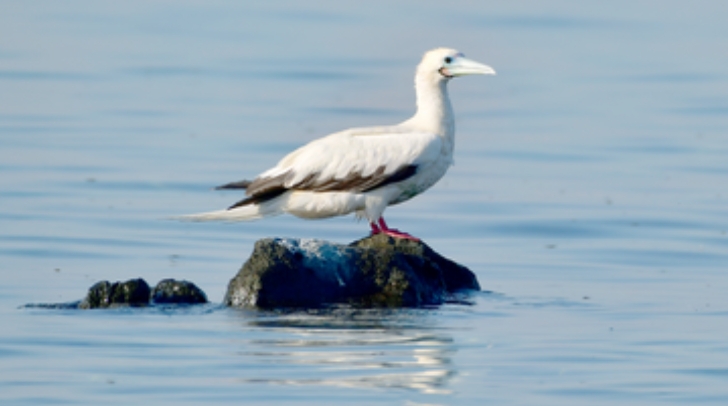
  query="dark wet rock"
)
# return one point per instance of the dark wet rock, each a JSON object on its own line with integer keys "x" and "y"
{"x": 134, "y": 292}
{"x": 178, "y": 292}
{"x": 374, "y": 271}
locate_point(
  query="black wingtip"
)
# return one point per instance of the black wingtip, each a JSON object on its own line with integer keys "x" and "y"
{"x": 259, "y": 198}
{"x": 243, "y": 184}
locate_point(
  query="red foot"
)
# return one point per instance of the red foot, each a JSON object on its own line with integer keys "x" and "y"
{"x": 382, "y": 228}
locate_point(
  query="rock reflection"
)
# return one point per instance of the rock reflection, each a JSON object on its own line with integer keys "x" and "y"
{"x": 350, "y": 348}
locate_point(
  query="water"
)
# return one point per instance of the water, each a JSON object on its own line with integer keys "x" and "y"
{"x": 589, "y": 196}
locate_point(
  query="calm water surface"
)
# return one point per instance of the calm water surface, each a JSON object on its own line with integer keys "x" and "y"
{"x": 589, "y": 195}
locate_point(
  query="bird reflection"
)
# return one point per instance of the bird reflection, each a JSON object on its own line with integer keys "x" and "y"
{"x": 350, "y": 348}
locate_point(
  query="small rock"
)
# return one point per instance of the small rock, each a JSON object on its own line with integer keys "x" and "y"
{"x": 375, "y": 271}
{"x": 178, "y": 292}
{"x": 134, "y": 292}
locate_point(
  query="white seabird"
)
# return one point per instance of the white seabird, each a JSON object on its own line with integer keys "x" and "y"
{"x": 363, "y": 170}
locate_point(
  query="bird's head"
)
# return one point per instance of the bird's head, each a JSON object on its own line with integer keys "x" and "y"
{"x": 445, "y": 63}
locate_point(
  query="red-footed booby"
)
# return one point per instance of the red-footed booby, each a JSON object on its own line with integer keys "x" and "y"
{"x": 363, "y": 170}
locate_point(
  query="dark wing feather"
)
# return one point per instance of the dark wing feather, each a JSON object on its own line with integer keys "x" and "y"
{"x": 262, "y": 197}
{"x": 354, "y": 181}
{"x": 263, "y": 189}
{"x": 399, "y": 175}
{"x": 241, "y": 184}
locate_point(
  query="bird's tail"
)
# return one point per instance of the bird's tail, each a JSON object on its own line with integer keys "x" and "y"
{"x": 248, "y": 212}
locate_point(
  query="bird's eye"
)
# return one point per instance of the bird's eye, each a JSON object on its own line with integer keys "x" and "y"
{"x": 448, "y": 59}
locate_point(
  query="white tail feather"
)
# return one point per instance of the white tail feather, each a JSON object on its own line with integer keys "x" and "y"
{"x": 243, "y": 213}
{"x": 219, "y": 215}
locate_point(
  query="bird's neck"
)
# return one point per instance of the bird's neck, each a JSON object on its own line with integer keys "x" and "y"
{"x": 434, "y": 112}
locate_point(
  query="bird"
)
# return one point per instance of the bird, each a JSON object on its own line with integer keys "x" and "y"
{"x": 363, "y": 170}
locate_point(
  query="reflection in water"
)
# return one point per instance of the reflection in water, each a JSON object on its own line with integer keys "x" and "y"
{"x": 350, "y": 348}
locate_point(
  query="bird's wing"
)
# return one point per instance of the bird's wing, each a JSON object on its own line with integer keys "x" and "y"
{"x": 355, "y": 160}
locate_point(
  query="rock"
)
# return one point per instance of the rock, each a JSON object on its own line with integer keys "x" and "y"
{"x": 177, "y": 292}
{"x": 374, "y": 271}
{"x": 134, "y": 292}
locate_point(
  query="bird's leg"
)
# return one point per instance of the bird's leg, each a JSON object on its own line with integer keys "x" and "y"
{"x": 375, "y": 228}
{"x": 391, "y": 232}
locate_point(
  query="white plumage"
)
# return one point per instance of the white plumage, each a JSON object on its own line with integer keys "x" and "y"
{"x": 363, "y": 170}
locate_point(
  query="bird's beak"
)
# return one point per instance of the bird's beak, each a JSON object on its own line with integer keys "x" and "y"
{"x": 464, "y": 66}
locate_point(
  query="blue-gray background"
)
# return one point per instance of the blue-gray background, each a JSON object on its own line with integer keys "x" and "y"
{"x": 589, "y": 194}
